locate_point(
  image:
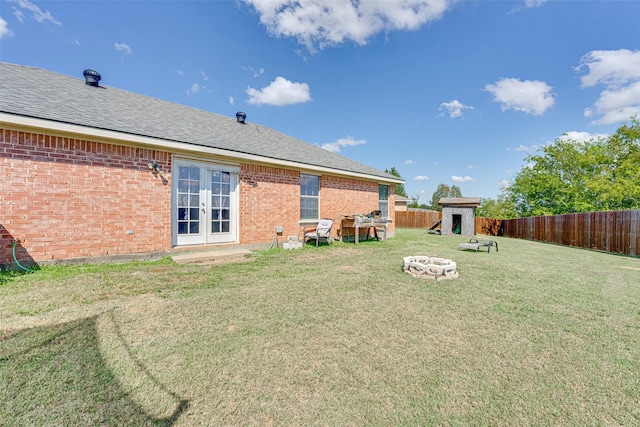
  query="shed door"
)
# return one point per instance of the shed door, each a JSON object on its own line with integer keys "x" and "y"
{"x": 205, "y": 203}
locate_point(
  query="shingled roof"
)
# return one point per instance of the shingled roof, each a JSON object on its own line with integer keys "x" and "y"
{"x": 459, "y": 201}
{"x": 30, "y": 92}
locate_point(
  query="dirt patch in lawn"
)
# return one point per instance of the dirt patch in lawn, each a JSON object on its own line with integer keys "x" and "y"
{"x": 229, "y": 259}
{"x": 627, "y": 268}
{"x": 311, "y": 255}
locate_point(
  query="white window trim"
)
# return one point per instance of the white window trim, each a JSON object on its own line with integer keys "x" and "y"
{"x": 310, "y": 220}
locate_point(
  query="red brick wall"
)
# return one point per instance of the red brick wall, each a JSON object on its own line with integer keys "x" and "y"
{"x": 347, "y": 196}
{"x": 270, "y": 196}
{"x": 68, "y": 198}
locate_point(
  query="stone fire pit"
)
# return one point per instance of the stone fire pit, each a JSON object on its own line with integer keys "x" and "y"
{"x": 426, "y": 267}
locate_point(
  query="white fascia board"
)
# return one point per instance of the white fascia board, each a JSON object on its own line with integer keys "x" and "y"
{"x": 173, "y": 146}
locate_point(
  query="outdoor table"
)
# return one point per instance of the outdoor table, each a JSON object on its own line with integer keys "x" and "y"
{"x": 363, "y": 223}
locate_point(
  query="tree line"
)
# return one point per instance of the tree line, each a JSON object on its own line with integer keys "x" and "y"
{"x": 566, "y": 176}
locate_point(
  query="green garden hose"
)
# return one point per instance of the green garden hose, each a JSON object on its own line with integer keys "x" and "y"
{"x": 13, "y": 251}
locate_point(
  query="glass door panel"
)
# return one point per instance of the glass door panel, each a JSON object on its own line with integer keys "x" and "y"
{"x": 189, "y": 206}
{"x": 222, "y": 219}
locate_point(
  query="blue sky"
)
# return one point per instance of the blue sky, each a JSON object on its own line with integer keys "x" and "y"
{"x": 453, "y": 92}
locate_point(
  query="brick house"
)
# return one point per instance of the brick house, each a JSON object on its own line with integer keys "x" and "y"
{"x": 90, "y": 171}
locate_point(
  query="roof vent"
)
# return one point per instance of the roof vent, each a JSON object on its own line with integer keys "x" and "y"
{"x": 91, "y": 77}
{"x": 240, "y": 116}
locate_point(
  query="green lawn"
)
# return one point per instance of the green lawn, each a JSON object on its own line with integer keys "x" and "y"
{"x": 534, "y": 334}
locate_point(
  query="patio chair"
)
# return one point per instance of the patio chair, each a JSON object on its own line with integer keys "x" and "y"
{"x": 319, "y": 232}
{"x": 475, "y": 244}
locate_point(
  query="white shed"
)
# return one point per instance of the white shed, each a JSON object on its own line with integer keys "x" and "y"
{"x": 459, "y": 215}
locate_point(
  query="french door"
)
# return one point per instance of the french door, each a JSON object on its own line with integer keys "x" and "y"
{"x": 204, "y": 203}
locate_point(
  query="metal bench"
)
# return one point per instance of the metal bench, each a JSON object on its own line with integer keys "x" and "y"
{"x": 476, "y": 244}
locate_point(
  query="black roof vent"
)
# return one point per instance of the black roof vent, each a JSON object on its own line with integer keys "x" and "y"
{"x": 91, "y": 77}
{"x": 240, "y": 116}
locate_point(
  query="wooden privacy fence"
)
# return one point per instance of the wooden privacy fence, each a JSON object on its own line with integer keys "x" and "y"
{"x": 426, "y": 219}
{"x": 417, "y": 219}
{"x": 612, "y": 231}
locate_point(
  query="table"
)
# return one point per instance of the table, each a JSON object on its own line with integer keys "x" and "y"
{"x": 358, "y": 223}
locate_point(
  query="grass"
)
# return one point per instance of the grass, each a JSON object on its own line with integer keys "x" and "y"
{"x": 535, "y": 334}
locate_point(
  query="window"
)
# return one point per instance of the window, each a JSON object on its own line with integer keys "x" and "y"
{"x": 309, "y": 196}
{"x": 383, "y": 200}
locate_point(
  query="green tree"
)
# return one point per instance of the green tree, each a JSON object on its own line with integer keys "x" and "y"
{"x": 569, "y": 176}
{"x": 501, "y": 208}
{"x": 443, "y": 190}
{"x": 616, "y": 178}
{"x": 415, "y": 201}
{"x": 399, "y": 188}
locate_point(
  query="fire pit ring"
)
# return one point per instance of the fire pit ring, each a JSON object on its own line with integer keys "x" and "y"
{"x": 426, "y": 267}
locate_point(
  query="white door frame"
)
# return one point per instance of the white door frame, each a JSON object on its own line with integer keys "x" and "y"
{"x": 191, "y": 187}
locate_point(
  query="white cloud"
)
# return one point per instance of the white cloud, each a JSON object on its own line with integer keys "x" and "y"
{"x": 619, "y": 72}
{"x": 195, "y": 88}
{"x": 581, "y": 137}
{"x": 466, "y": 178}
{"x": 529, "y": 96}
{"x": 322, "y": 23}
{"x": 534, "y": 3}
{"x": 123, "y": 47}
{"x": 19, "y": 15}
{"x": 616, "y": 105}
{"x": 522, "y": 147}
{"x": 302, "y": 55}
{"x": 232, "y": 101}
{"x": 420, "y": 178}
{"x": 280, "y": 92}
{"x": 454, "y": 108}
{"x": 38, "y": 14}
{"x": 528, "y": 4}
{"x": 253, "y": 71}
{"x": 610, "y": 67}
{"x": 410, "y": 162}
{"x": 335, "y": 146}
{"x": 617, "y": 116}
{"x": 471, "y": 167}
{"x": 5, "y": 31}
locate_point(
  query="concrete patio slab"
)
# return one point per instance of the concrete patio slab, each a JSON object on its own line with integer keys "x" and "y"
{"x": 211, "y": 256}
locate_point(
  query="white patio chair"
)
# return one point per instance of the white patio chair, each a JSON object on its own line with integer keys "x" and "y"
{"x": 319, "y": 232}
